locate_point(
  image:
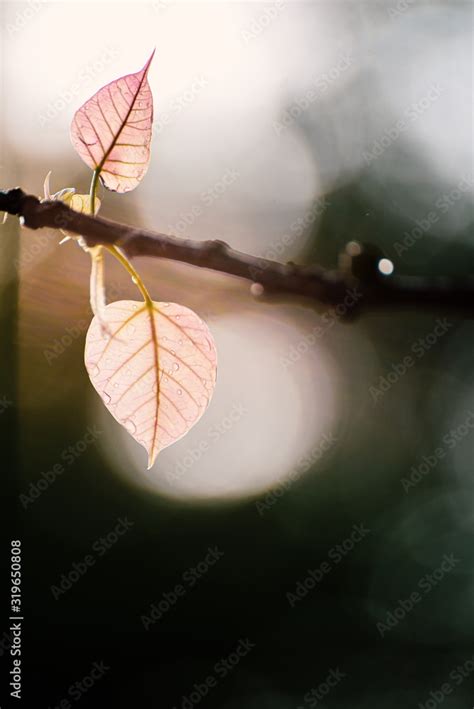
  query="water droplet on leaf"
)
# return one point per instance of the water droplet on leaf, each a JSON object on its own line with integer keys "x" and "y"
{"x": 130, "y": 426}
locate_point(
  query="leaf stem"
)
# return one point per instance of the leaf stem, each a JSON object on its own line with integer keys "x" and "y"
{"x": 114, "y": 250}
{"x": 93, "y": 189}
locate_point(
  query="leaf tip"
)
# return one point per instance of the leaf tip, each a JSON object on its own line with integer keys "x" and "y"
{"x": 147, "y": 65}
{"x": 151, "y": 458}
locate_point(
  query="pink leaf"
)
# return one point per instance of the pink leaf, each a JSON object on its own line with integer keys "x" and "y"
{"x": 155, "y": 372}
{"x": 112, "y": 130}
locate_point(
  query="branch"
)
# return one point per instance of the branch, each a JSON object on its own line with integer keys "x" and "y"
{"x": 355, "y": 286}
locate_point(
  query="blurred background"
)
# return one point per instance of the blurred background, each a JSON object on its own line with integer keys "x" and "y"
{"x": 310, "y": 541}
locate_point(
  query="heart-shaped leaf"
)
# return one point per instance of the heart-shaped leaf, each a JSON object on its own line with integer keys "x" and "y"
{"x": 155, "y": 369}
{"x": 112, "y": 130}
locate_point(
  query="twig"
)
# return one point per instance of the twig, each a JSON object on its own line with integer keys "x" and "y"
{"x": 356, "y": 285}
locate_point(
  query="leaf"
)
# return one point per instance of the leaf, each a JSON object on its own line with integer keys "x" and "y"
{"x": 112, "y": 130}
{"x": 82, "y": 203}
{"x": 79, "y": 202}
{"x": 155, "y": 372}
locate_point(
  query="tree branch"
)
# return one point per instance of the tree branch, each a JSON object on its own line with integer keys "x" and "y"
{"x": 355, "y": 286}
